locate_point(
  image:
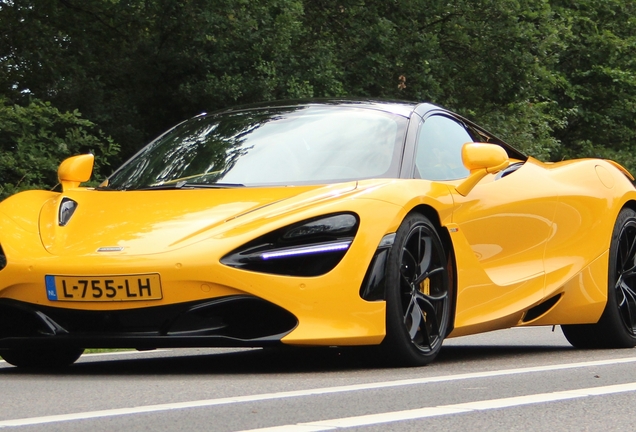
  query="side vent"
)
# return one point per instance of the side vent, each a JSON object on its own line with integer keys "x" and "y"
{"x": 541, "y": 308}
{"x": 3, "y": 259}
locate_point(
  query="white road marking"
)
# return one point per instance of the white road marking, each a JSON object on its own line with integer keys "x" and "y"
{"x": 116, "y": 353}
{"x": 421, "y": 413}
{"x": 301, "y": 393}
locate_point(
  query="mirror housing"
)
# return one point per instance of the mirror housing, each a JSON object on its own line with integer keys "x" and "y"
{"x": 481, "y": 159}
{"x": 75, "y": 170}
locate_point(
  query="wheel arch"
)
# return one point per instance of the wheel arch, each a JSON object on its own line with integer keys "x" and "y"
{"x": 631, "y": 204}
{"x": 616, "y": 327}
{"x": 431, "y": 214}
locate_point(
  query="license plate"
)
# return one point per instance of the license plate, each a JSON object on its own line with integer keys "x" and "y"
{"x": 103, "y": 288}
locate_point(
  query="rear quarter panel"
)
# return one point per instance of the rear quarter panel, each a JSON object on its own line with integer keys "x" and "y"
{"x": 568, "y": 256}
{"x": 591, "y": 192}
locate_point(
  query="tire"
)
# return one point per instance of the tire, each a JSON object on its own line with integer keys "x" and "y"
{"x": 418, "y": 294}
{"x": 617, "y": 326}
{"x": 42, "y": 358}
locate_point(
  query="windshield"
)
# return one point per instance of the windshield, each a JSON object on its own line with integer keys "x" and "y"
{"x": 282, "y": 146}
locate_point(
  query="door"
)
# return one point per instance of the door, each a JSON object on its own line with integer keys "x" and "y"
{"x": 499, "y": 230}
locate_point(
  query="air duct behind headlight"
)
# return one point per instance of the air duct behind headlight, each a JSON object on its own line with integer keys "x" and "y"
{"x": 3, "y": 259}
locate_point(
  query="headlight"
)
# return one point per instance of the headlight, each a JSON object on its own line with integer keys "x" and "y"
{"x": 308, "y": 248}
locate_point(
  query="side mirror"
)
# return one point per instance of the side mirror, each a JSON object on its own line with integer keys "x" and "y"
{"x": 481, "y": 159}
{"x": 75, "y": 170}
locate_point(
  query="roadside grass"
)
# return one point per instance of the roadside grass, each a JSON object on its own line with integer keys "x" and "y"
{"x": 105, "y": 350}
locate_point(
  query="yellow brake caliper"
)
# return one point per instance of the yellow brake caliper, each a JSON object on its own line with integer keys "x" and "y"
{"x": 425, "y": 287}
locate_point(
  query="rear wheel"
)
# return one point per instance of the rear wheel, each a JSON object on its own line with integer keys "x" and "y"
{"x": 617, "y": 326}
{"x": 42, "y": 358}
{"x": 418, "y": 294}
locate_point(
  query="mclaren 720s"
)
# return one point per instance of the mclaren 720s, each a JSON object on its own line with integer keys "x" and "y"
{"x": 326, "y": 223}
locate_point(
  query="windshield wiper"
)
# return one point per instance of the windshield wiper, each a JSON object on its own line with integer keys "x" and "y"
{"x": 177, "y": 185}
{"x": 212, "y": 185}
{"x": 189, "y": 185}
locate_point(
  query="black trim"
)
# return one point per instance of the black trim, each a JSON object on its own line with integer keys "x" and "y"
{"x": 3, "y": 259}
{"x": 509, "y": 170}
{"x": 223, "y": 322}
{"x": 541, "y": 309}
{"x": 374, "y": 284}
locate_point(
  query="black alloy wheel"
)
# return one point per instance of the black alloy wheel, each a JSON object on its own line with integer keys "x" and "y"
{"x": 418, "y": 294}
{"x": 617, "y": 326}
{"x": 624, "y": 273}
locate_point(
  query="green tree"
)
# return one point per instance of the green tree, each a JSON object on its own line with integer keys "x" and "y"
{"x": 136, "y": 67}
{"x": 490, "y": 60}
{"x": 36, "y": 138}
{"x": 596, "y": 89}
{"x": 553, "y": 77}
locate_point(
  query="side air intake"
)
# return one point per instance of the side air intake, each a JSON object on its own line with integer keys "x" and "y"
{"x": 541, "y": 309}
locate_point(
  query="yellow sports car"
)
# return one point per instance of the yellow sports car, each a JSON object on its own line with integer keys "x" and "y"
{"x": 334, "y": 223}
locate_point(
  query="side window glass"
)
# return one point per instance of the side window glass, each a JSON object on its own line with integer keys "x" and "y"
{"x": 439, "y": 149}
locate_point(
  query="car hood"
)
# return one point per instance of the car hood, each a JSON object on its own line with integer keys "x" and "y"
{"x": 147, "y": 222}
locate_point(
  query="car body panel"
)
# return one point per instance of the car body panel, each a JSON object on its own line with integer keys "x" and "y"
{"x": 329, "y": 307}
{"x": 529, "y": 246}
{"x": 566, "y": 243}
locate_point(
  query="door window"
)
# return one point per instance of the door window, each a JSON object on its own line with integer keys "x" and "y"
{"x": 439, "y": 149}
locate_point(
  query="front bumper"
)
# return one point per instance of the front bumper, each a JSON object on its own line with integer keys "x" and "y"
{"x": 231, "y": 321}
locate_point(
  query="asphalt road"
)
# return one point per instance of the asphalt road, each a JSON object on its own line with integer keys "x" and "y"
{"x": 512, "y": 380}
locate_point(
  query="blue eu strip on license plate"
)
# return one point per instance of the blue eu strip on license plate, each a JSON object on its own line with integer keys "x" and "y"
{"x": 51, "y": 292}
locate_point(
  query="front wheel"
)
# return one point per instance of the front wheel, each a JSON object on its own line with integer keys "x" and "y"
{"x": 42, "y": 358}
{"x": 617, "y": 326}
{"x": 418, "y": 294}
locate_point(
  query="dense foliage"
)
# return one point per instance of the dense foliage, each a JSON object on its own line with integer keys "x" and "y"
{"x": 556, "y": 78}
{"x": 35, "y": 138}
